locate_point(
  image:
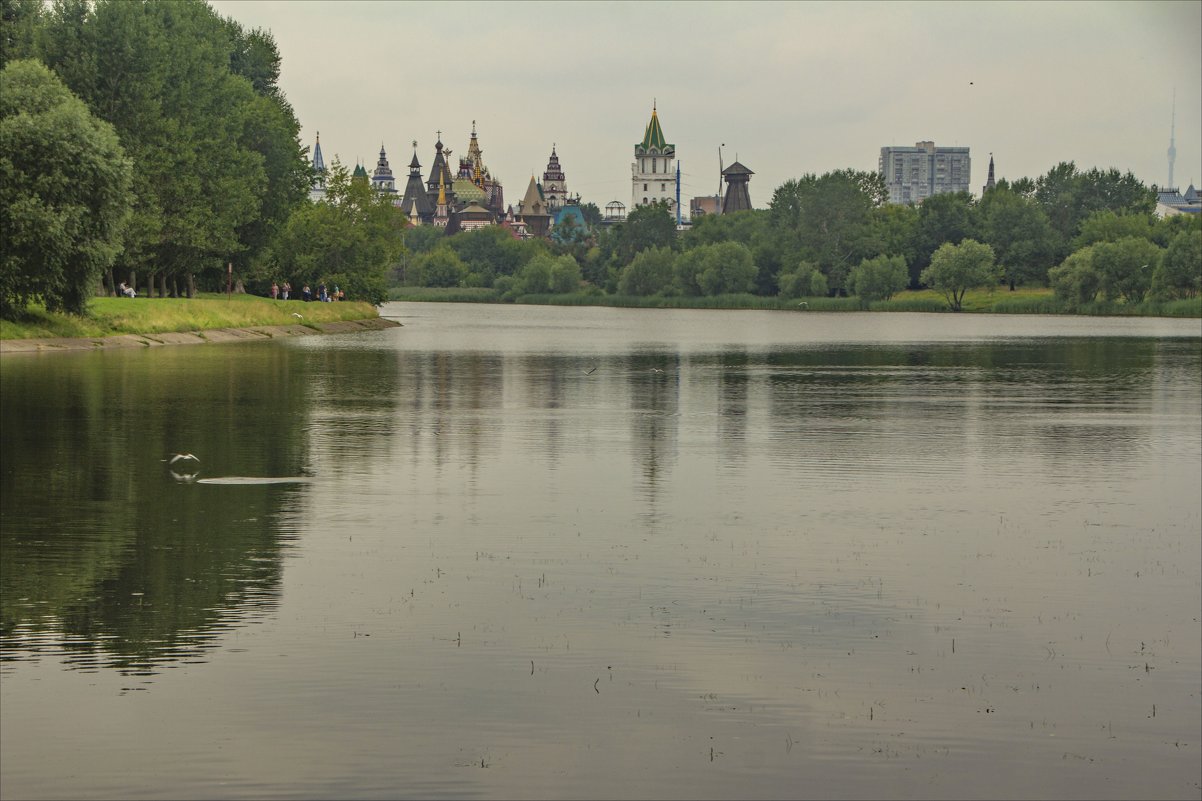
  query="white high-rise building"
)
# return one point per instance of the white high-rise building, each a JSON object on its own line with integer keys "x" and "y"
{"x": 653, "y": 173}
{"x": 913, "y": 174}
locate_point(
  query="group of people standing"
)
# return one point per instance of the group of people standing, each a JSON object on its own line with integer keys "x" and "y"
{"x": 284, "y": 292}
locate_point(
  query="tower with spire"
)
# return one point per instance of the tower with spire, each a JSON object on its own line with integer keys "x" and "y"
{"x": 475, "y": 182}
{"x": 416, "y": 203}
{"x": 533, "y": 210}
{"x": 989, "y": 184}
{"x": 554, "y": 185}
{"x": 652, "y": 173}
{"x": 439, "y": 175}
{"x": 381, "y": 178}
{"x": 317, "y": 183}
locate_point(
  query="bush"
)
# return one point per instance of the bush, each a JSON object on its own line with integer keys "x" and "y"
{"x": 650, "y": 273}
{"x": 879, "y": 278}
{"x": 1075, "y": 281}
{"x": 441, "y": 267}
{"x": 1126, "y": 267}
{"x": 1180, "y": 272}
{"x": 723, "y": 268}
{"x": 805, "y": 280}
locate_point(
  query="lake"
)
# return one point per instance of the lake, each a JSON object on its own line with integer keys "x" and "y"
{"x": 541, "y": 552}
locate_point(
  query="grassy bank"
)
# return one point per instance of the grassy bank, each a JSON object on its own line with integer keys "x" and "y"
{"x": 109, "y": 316}
{"x": 997, "y": 301}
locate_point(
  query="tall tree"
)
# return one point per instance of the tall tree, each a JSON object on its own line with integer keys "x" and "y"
{"x": 18, "y": 22}
{"x": 1180, "y": 271}
{"x": 1019, "y": 233}
{"x": 645, "y": 227}
{"x": 1126, "y": 267}
{"x": 1068, "y": 196}
{"x": 827, "y": 219}
{"x": 64, "y": 192}
{"x": 218, "y": 165}
{"x": 352, "y": 239}
{"x": 949, "y": 217}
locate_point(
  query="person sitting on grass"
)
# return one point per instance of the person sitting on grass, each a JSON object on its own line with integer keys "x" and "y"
{"x": 128, "y": 291}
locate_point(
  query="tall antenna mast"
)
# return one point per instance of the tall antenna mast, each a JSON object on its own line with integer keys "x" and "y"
{"x": 1172, "y": 140}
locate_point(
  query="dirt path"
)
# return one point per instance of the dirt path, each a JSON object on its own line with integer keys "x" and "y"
{"x": 261, "y": 333}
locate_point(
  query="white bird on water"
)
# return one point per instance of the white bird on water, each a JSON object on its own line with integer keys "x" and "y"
{"x": 181, "y": 457}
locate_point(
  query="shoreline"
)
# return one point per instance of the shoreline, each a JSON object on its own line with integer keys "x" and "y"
{"x": 258, "y": 333}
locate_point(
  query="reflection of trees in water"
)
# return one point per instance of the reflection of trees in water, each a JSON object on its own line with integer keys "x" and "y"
{"x": 1050, "y": 397}
{"x": 108, "y": 559}
{"x": 443, "y": 402}
{"x": 733, "y": 379}
{"x": 654, "y": 386}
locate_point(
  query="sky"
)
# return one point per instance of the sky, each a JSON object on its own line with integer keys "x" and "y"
{"x": 787, "y": 88}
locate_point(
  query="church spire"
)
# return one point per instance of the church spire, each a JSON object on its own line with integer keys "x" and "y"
{"x": 319, "y": 164}
{"x": 988, "y": 181}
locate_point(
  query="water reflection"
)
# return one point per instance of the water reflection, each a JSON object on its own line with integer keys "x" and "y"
{"x": 554, "y": 553}
{"x": 113, "y": 558}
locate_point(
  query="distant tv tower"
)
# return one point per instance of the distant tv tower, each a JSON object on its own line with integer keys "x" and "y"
{"x": 1172, "y": 141}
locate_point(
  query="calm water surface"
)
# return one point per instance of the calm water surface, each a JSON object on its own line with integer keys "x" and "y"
{"x": 594, "y": 553}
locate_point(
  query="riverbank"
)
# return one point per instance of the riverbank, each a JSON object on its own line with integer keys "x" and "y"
{"x": 208, "y": 336}
{"x": 981, "y": 301}
{"x": 121, "y": 322}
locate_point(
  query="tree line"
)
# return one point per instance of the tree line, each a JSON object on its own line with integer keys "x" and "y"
{"x": 149, "y": 142}
{"x": 1089, "y": 234}
{"x": 145, "y": 138}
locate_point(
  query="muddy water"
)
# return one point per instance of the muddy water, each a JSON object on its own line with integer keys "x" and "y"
{"x": 597, "y": 553}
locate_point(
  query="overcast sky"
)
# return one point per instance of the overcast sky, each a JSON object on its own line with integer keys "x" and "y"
{"x": 789, "y": 88}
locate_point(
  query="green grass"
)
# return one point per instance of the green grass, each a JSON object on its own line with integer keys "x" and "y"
{"x": 109, "y": 316}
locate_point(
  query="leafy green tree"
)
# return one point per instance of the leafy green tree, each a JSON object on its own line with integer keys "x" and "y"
{"x": 878, "y": 278}
{"x": 1075, "y": 281}
{"x": 1068, "y": 196}
{"x": 19, "y": 20}
{"x": 946, "y": 218}
{"x": 1126, "y": 267}
{"x": 217, "y": 165}
{"x": 1020, "y": 235}
{"x": 955, "y": 269}
{"x": 536, "y": 276}
{"x": 803, "y": 281}
{"x": 648, "y": 226}
{"x": 565, "y": 274}
{"x": 441, "y": 267}
{"x": 592, "y": 214}
{"x": 827, "y": 219}
{"x": 650, "y": 273}
{"x": 64, "y": 192}
{"x": 1111, "y": 226}
{"x": 569, "y": 231}
{"x": 423, "y": 238}
{"x": 355, "y": 234}
{"x": 1180, "y": 272}
{"x": 729, "y": 268}
{"x": 490, "y": 251}
{"x": 1166, "y": 228}
{"x": 891, "y": 230}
